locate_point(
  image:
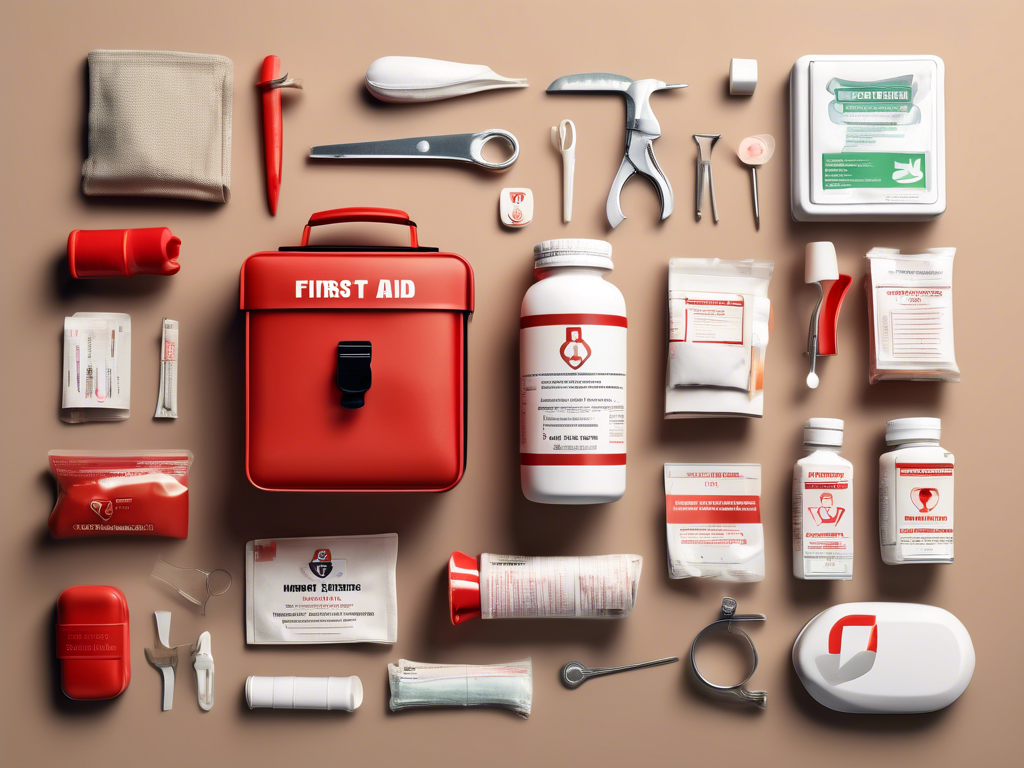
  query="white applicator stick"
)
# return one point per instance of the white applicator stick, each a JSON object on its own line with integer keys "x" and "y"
{"x": 820, "y": 266}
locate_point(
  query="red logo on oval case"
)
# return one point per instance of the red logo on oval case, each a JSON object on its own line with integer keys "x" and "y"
{"x": 575, "y": 351}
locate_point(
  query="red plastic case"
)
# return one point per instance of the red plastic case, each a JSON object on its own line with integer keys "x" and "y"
{"x": 93, "y": 642}
{"x": 312, "y": 315}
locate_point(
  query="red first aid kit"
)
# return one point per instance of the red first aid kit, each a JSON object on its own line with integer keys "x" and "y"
{"x": 93, "y": 642}
{"x": 355, "y": 363}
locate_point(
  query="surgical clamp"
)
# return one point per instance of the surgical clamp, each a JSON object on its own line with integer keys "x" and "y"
{"x": 730, "y": 620}
{"x": 706, "y": 143}
{"x": 642, "y": 128}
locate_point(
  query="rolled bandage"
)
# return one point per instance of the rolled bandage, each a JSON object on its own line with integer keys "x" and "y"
{"x": 345, "y": 693}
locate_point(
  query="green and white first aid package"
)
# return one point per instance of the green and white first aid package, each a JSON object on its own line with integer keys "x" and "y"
{"x": 868, "y": 137}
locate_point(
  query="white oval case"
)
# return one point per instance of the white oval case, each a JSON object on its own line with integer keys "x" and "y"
{"x": 884, "y": 658}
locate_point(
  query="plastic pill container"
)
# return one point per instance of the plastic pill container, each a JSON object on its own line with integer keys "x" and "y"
{"x": 572, "y": 364}
{"x": 823, "y": 505}
{"x": 915, "y": 494}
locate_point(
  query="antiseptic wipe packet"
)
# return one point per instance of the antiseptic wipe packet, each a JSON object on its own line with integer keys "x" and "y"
{"x": 910, "y": 315}
{"x": 329, "y": 589}
{"x": 713, "y": 521}
{"x": 718, "y": 322}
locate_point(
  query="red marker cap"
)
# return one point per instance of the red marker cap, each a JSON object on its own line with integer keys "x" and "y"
{"x": 122, "y": 252}
{"x": 463, "y": 587}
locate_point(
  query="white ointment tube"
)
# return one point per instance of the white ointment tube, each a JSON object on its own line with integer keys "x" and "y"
{"x": 344, "y": 693}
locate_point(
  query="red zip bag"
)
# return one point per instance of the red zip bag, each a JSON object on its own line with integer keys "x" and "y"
{"x": 120, "y": 493}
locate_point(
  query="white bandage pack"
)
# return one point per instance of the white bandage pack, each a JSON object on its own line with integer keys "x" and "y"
{"x": 330, "y": 589}
{"x": 96, "y": 380}
{"x": 719, "y": 324}
{"x": 910, "y": 312}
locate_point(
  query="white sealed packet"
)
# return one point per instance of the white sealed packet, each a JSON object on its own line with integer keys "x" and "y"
{"x": 717, "y": 308}
{"x": 713, "y": 521}
{"x": 329, "y": 589}
{"x": 910, "y": 315}
{"x": 96, "y": 374}
{"x": 416, "y": 684}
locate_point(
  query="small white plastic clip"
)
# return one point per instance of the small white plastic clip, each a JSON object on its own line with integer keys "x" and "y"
{"x": 203, "y": 664}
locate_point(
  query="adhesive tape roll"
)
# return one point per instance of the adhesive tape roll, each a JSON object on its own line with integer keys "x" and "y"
{"x": 820, "y": 263}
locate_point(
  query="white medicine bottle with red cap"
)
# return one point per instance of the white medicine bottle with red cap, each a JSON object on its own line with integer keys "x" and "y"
{"x": 823, "y": 505}
{"x": 572, "y": 384}
{"x": 915, "y": 494}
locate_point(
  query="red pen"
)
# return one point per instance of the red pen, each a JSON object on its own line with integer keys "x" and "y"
{"x": 270, "y": 85}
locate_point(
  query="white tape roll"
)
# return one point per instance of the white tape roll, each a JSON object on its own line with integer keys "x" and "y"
{"x": 344, "y": 693}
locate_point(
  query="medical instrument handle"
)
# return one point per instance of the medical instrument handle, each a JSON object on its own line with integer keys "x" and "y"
{"x": 361, "y": 215}
{"x": 757, "y": 210}
{"x": 458, "y": 147}
{"x": 595, "y": 671}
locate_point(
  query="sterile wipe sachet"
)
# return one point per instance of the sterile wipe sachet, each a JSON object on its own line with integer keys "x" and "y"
{"x": 910, "y": 315}
{"x": 718, "y": 323}
{"x": 713, "y": 521}
{"x": 329, "y": 589}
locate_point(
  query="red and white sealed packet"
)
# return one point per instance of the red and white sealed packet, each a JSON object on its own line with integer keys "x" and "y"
{"x": 120, "y": 493}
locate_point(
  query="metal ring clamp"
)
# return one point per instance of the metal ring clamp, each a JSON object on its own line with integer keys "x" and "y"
{"x": 728, "y": 621}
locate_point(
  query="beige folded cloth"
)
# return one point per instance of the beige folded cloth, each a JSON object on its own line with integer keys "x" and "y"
{"x": 159, "y": 125}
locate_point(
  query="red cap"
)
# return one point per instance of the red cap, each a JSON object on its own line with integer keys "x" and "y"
{"x": 463, "y": 587}
{"x": 122, "y": 252}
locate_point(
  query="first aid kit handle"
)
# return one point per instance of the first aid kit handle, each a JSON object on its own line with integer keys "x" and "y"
{"x": 364, "y": 215}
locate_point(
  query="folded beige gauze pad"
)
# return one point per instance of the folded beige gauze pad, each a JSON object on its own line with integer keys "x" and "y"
{"x": 159, "y": 125}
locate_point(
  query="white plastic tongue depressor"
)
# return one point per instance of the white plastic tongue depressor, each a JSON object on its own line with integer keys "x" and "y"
{"x": 820, "y": 266}
{"x": 754, "y": 151}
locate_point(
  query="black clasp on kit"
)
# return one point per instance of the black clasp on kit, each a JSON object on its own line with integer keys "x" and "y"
{"x": 354, "y": 376}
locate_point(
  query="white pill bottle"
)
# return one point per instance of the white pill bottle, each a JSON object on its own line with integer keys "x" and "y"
{"x": 915, "y": 494}
{"x": 823, "y": 505}
{"x": 572, "y": 383}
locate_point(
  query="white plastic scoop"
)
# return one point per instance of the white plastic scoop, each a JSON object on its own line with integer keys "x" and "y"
{"x": 754, "y": 151}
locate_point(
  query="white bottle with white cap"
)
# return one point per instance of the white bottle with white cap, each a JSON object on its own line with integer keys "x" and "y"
{"x": 915, "y": 494}
{"x": 572, "y": 384}
{"x": 345, "y": 693}
{"x": 823, "y": 505}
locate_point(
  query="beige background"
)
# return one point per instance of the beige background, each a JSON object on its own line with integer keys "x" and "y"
{"x": 651, "y": 716}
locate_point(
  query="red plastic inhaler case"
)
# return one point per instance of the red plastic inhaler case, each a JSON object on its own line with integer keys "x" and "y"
{"x": 93, "y": 643}
{"x": 96, "y": 253}
{"x": 356, "y": 363}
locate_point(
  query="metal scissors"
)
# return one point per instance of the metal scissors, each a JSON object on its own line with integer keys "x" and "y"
{"x": 458, "y": 147}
